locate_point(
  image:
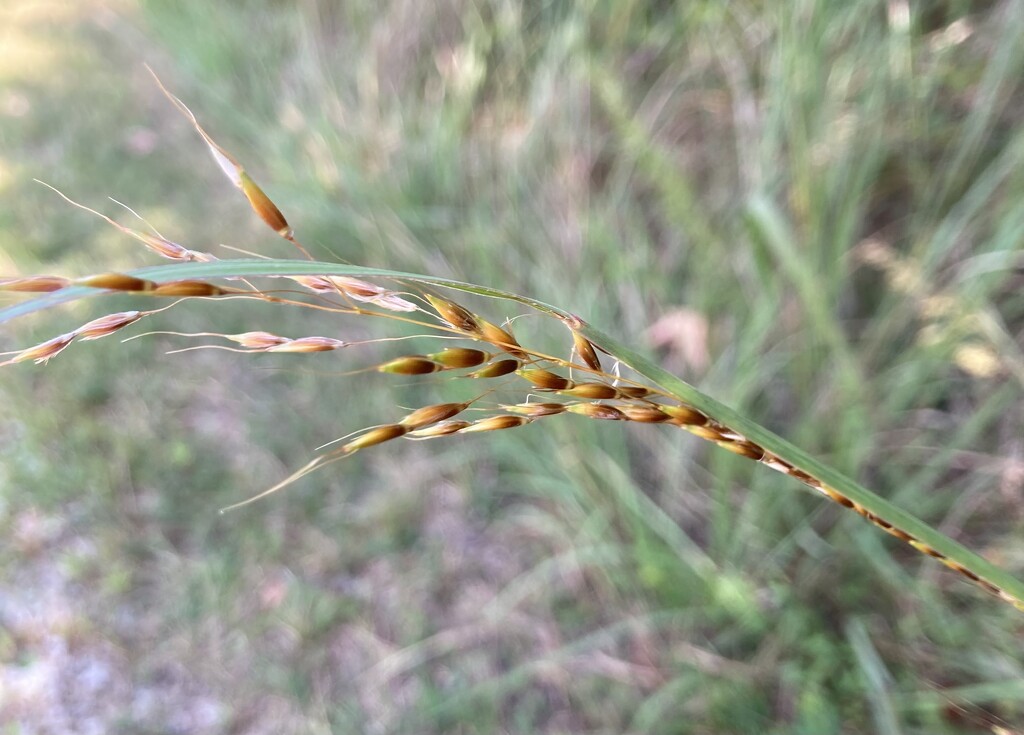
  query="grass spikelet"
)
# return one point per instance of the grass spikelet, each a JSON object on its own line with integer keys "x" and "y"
{"x": 444, "y": 428}
{"x": 633, "y": 391}
{"x": 685, "y": 416}
{"x": 496, "y": 423}
{"x": 744, "y": 449}
{"x": 496, "y": 369}
{"x": 644, "y": 414}
{"x": 459, "y": 357}
{"x": 545, "y": 379}
{"x": 188, "y": 288}
{"x": 592, "y": 391}
{"x": 411, "y": 365}
{"x": 107, "y": 324}
{"x": 34, "y": 284}
{"x": 116, "y": 282}
{"x": 308, "y": 344}
{"x": 257, "y": 340}
{"x": 585, "y": 350}
{"x": 43, "y": 351}
{"x": 500, "y": 337}
{"x": 371, "y": 293}
{"x": 456, "y": 316}
{"x": 373, "y": 437}
{"x": 428, "y": 415}
{"x": 600, "y": 411}
{"x": 536, "y": 410}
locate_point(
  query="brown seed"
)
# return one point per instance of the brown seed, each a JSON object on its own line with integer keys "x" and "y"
{"x": 496, "y": 423}
{"x": 432, "y": 414}
{"x": 308, "y": 344}
{"x": 496, "y": 369}
{"x": 600, "y": 411}
{"x": 545, "y": 379}
{"x": 43, "y": 351}
{"x": 644, "y": 414}
{"x": 34, "y": 284}
{"x": 107, "y": 324}
{"x": 375, "y": 436}
{"x": 459, "y": 357}
{"x": 633, "y": 391}
{"x": 263, "y": 206}
{"x": 743, "y": 448}
{"x": 456, "y": 316}
{"x": 257, "y": 340}
{"x": 585, "y": 350}
{"x": 685, "y": 416}
{"x": 536, "y": 410}
{"x": 593, "y": 391}
{"x": 116, "y": 282}
{"x": 411, "y": 365}
{"x": 188, "y": 288}
{"x": 442, "y": 429}
{"x": 500, "y": 337}
{"x": 710, "y": 433}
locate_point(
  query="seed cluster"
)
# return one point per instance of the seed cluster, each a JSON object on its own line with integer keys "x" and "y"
{"x": 542, "y": 385}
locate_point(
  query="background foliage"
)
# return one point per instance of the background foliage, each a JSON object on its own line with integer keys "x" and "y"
{"x": 810, "y": 210}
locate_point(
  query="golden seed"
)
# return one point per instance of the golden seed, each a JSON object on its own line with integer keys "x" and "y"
{"x": 600, "y": 411}
{"x": 188, "y": 288}
{"x": 496, "y": 423}
{"x": 263, "y": 206}
{"x": 743, "y": 448}
{"x": 411, "y": 365}
{"x": 585, "y": 350}
{"x": 704, "y": 432}
{"x": 500, "y": 338}
{"x": 375, "y": 436}
{"x": 455, "y": 315}
{"x": 593, "y": 391}
{"x": 459, "y": 357}
{"x": 43, "y": 351}
{"x": 545, "y": 379}
{"x": 685, "y": 416}
{"x": 107, "y": 324}
{"x": 442, "y": 429}
{"x": 644, "y": 414}
{"x": 116, "y": 282}
{"x": 257, "y": 340}
{"x": 496, "y": 369}
{"x": 307, "y": 344}
{"x": 537, "y": 409}
{"x": 34, "y": 284}
{"x": 633, "y": 391}
{"x": 432, "y": 414}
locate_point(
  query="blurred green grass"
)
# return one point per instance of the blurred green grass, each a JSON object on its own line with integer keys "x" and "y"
{"x": 816, "y": 203}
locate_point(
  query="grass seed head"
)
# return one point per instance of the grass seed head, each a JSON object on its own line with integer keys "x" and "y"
{"x": 459, "y": 357}
{"x": 545, "y": 379}
{"x": 601, "y": 411}
{"x": 263, "y": 206}
{"x": 744, "y": 449}
{"x": 360, "y": 290}
{"x": 496, "y": 423}
{"x": 496, "y": 369}
{"x": 633, "y": 391}
{"x": 456, "y": 316}
{"x": 411, "y": 365}
{"x": 375, "y": 436}
{"x": 257, "y": 340}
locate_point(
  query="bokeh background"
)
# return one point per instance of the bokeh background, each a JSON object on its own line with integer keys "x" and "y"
{"x": 810, "y": 209}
